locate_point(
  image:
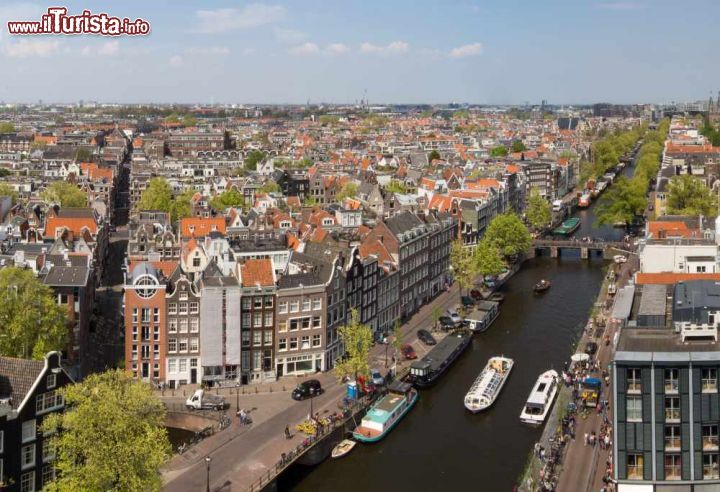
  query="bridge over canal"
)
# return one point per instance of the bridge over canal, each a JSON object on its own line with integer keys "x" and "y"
{"x": 586, "y": 249}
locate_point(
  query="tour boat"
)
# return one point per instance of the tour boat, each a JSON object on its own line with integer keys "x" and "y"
{"x": 386, "y": 412}
{"x": 542, "y": 286}
{"x": 567, "y": 227}
{"x": 343, "y": 448}
{"x": 488, "y": 384}
{"x": 584, "y": 201}
{"x": 426, "y": 371}
{"x": 541, "y": 398}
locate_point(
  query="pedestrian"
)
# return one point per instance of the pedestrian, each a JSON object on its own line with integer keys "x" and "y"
{"x": 287, "y": 432}
{"x": 587, "y": 438}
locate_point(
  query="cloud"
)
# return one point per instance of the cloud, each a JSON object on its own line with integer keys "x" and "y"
{"x": 618, "y": 6}
{"x": 474, "y": 49}
{"x": 25, "y": 48}
{"x": 336, "y": 49}
{"x": 304, "y": 49}
{"x": 210, "y": 50}
{"x": 394, "y": 48}
{"x": 18, "y": 12}
{"x": 230, "y": 19}
{"x": 248, "y": 51}
{"x": 176, "y": 61}
{"x": 109, "y": 48}
{"x": 289, "y": 36}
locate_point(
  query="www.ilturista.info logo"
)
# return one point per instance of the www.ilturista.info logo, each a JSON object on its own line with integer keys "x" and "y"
{"x": 57, "y": 21}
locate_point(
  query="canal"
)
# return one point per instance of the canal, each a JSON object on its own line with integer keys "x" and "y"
{"x": 440, "y": 445}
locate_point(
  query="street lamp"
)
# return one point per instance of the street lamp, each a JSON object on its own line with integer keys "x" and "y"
{"x": 237, "y": 397}
{"x": 207, "y": 466}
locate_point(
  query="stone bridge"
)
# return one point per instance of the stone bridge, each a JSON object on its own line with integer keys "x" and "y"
{"x": 596, "y": 247}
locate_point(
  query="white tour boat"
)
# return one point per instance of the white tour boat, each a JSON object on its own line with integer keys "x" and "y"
{"x": 488, "y": 384}
{"x": 541, "y": 398}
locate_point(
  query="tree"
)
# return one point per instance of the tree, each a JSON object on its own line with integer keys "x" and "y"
{"x": 83, "y": 155}
{"x": 508, "y": 234}
{"x": 157, "y": 196}
{"x": 463, "y": 265}
{"x": 348, "y": 191}
{"x": 189, "y": 120}
{"x": 434, "y": 154}
{"x": 436, "y": 314}
{"x": 688, "y": 195}
{"x": 7, "y": 127}
{"x": 538, "y": 211}
{"x": 625, "y": 200}
{"x": 309, "y": 201}
{"x": 252, "y": 159}
{"x": 228, "y": 198}
{"x": 488, "y": 259}
{"x": 65, "y": 194}
{"x": 499, "y": 151}
{"x": 31, "y": 321}
{"x": 357, "y": 339}
{"x": 7, "y": 190}
{"x": 111, "y": 437}
{"x": 518, "y": 146}
{"x": 181, "y": 206}
{"x": 396, "y": 186}
{"x": 269, "y": 187}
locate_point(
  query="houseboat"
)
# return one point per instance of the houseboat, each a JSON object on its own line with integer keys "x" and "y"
{"x": 488, "y": 384}
{"x": 567, "y": 227}
{"x": 541, "y": 398}
{"x": 426, "y": 371}
{"x": 482, "y": 316}
{"x": 584, "y": 201}
{"x": 386, "y": 412}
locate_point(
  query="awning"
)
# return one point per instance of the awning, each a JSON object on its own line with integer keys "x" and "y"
{"x": 623, "y": 303}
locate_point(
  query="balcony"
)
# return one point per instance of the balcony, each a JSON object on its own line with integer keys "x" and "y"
{"x": 672, "y": 415}
{"x": 672, "y": 444}
{"x": 710, "y": 443}
{"x": 689, "y": 330}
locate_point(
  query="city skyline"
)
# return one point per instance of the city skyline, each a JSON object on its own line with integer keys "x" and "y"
{"x": 406, "y": 52}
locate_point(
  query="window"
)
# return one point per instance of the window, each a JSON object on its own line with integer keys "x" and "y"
{"x": 633, "y": 381}
{"x": 672, "y": 467}
{"x": 172, "y": 308}
{"x": 672, "y": 409}
{"x": 194, "y": 308}
{"x": 182, "y": 365}
{"x": 246, "y": 303}
{"x": 196, "y": 261}
{"x": 635, "y": 466}
{"x": 48, "y": 451}
{"x": 48, "y": 474}
{"x": 257, "y": 320}
{"x": 317, "y": 303}
{"x": 316, "y": 341}
{"x": 135, "y": 315}
{"x": 268, "y": 301}
{"x": 172, "y": 365}
{"x": 27, "y": 482}
{"x": 172, "y": 325}
{"x": 51, "y": 381}
{"x": 257, "y": 302}
{"x": 194, "y": 325}
{"x": 710, "y": 466}
{"x": 172, "y": 345}
{"x": 156, "y": 315}
{"x": 282, "y": 325}
{"x": 194, "y": 345}
{"x": 671, "y": 381}
{"x": 306, "y": 304}
{"x": 282, "y": 307}
{"x": 29, "y": 429}
{"x": 246, "y": 320}
{"x": 305, "y": 342}
{"x": 709, "y": 380}
{"x": 257, "y": 338}
{"x": 183, "y": 308}
{"x": 294, "y": 306}
{"x": 710, "y": 437}
{"x": 245, "y": 336}
{"x": 257, "y": 360}
{"x": 267, "y": 337}
{"x": 672, "y": 438}
{"x": 317, "y": 322}
{"x": 183, "y": 345}
{"x": 293, "y": 343}
{"x": 183, "y": 325}
{"x": 27, "y": 456}
{"x": 282, "y": 344}
{"x": 634, "y": 408}
{"x": 268, "y": 319}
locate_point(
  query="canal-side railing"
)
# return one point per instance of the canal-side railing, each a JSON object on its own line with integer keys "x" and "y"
{"x": 550, "y": 243}
{"x": 291, "y": 456}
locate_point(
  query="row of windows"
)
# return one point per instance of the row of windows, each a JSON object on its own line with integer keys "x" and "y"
{"x": 257, "y": 319}
{"x": 181, "y": 325}
{"x": 257, "y": 302}
{"x": 183, "y": 308}
{"x": 672, "y": 466}
{"x": 183, "y": 345}
{"x": 180, "y": 365}
{"x": 304, "y": 343}
{"x": 304, "y": 323}
{"x": 671, "y": 382}
{"x": 634, "y": 408}
{"x": 308, "y": 304}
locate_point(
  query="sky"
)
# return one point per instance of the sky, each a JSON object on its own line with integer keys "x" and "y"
{"x": 399, "y": 51}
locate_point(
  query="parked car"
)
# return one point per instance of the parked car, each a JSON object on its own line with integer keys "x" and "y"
{"x": 455, "y": 317}
{"x": 591, "y": 348}
{"x": 426, "y": 338}
{"x": 200, "y": 400}
{"x": 467, "y": 301}
{"x": 306, "y": 389}
{"x": 408, "y": 352}
{"x": 446, "y": 322}
{"x": 620, "y": 258}
{"x": 376, "y": 377}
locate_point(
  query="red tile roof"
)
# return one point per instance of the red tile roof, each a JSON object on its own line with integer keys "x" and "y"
{"x": 201, "y": 226}
{"x": 672, "y": 278}
{"x": 257, "y": 272}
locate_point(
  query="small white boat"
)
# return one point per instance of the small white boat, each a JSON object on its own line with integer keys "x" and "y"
{"x": 343, "y": 448}
{"x": 541, "y": 398}
{"x": 488, "y": 384}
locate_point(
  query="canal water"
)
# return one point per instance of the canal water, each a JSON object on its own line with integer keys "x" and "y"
{"x": 441, "y": 446}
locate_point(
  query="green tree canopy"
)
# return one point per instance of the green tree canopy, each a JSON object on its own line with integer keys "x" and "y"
{"x": 252, "y": 159}
{"x": 269, "y": 187}
{"x": 434, "y": 154}
{"x": 622, "y": 202}
{"x": 189, "y": 120}
{"x": 396, "y": 186}
{"x": 518, "y": 146}
{"x": 538, "y": 211}
{"x": 348, "y": 191}
{"x": 31, "y": 321}
{"x": 508, "y": 233}
{"x": 158, "y": 196}
{"x": 488, "y": 259}
{"x": 463, "y": 265}
{"x": 7, "y": 190}
{"x": 688, "y": 195}
{"x": 357, "y": 339}
{"x": 6, "y": 127}
{"x": 65, "y": 194}
{"x": 111, "y": 437}
{"x": 228, "y": 198}
{"x": 499, "y": 151}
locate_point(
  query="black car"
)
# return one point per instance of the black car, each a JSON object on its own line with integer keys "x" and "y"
{"x": 591, "y": 348}
{"x": 426, "y": 338}
{"x": 306, "y": 389}
{"x": 446, "y": 323}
